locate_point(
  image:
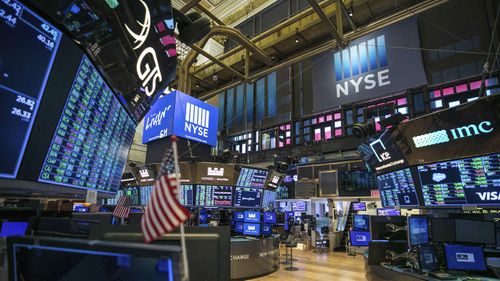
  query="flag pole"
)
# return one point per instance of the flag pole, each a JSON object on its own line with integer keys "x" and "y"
{"x": 183, "y": 236}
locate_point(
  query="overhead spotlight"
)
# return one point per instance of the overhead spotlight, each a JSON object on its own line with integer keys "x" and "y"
{"x": 351, "y": 10}
{"x": 297, "y": 39}
{"x": 197, "y": 85}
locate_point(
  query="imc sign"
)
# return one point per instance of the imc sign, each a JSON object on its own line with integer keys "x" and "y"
{"x": 369, "y": 67}
{"x": 181, "y": 115}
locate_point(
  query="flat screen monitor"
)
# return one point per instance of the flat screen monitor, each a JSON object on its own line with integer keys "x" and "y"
{"x": 252, "y": 177}
{"x": 358, "y": 206}
{"x": 475, "y": 231}
{"x": 247, "y": 197}
{"x": 306, "y": 189}
{"x": 13, "y": 228}
{"x": 251, "y": 216}
{"x": 361, "y": 222}
{"x": 81, "y": 207}
{"x": 274, "y": 180}
{"x": 299, "y": 206}
{"x": 203, "y": 216}
{"x": 380, "y": 227}
{"x": 357, "y": 183}
{"x": 133, "y": 193}
{"x": 252, "y": 229}
{"x": 460, "y": 257}
{"x": 238, "y": 227}
{"x": 214, "y": 196}
{"x": 443, "y": 230}
{"x": 92, "y": 137}
{"x": 398, "y": 189}
{"x": 388, "y": 212}
{"x": 269, "y": 199}
{"x": 267, "y": 229}
{"x": 427, "y": 258}
{"x": 418, "y": 230}
{"x": 145, "y": 194}
{"x": 239, "y": 216}
{"x": 461, "y": 182}
{"x": 269, "y": 217}
{"x": 60, "y": 259}
{"x": 359, "y": 238}
{"x": 26, "y": 62}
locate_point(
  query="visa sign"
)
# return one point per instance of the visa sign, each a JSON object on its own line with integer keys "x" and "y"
{"x": 181, "y": 115}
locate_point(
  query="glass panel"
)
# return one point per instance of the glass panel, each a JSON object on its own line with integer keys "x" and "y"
{"x": 436, "y": 104}
{"x": 321, "y": 119}
{"x": 328, "y": 132}
{"x": 418, "y": 103}
{"x": 317, "y": 134}
{"x": 461, "y": 88}
{"x": 337, "y": 116}
{"x": 337, "y": 124}
{"x": 271, "y": 94}
{"x": 448, "y": 91}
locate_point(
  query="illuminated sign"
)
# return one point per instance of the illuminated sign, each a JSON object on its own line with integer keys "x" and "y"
{"x": 442, "y": 136}
{"x": 158, "y": 122}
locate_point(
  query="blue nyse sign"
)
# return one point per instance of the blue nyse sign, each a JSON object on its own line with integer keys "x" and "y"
{"x": 184, "y": 116}
{"x": 381, "y": 63}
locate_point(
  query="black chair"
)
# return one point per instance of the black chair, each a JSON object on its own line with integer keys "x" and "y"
{"x": 291, "y": 246}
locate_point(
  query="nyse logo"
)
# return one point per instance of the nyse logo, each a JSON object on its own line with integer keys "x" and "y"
{"x": 488, "y": 196}
{"x": 252, "y": 228}
{"x": 358, "y": 60}
{"x": 144, "y": 173}
{"x": 217, "y": 172}
{"x": 197, "y": 120}
{"x": 442, "y": 136}
{"x": 252, "y": 216}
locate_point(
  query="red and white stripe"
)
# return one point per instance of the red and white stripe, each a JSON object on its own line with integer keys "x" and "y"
{"x": 122, "y": 209}
{"x": 164, "y": 213}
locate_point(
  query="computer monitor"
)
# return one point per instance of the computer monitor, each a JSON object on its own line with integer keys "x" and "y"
{"x": 81, "y": 207}
{"x": 377, "y": 250}
{"x": 388, "y": 212}
{"x": 443, "y": 230}
{"x": 460, "y": 257}
{"x": 361, "y": 222}
{"x": 359, "y": 238}
{"x": 238, "y": 227}
{"x": 252, "y": 229}
{"x": 427, "y": 258}
{"x": 359, "y": 206}
{"x": 388, "y": 227}
{"x": 11, "y": 228}
{"x": 475, "y": 231}
{"x": 251, "y": 216}
{"x": 267, "y": 229}
{"x": 418, "y": 230}
{"x": 238, "y": 216}
{"x": 202, "y": 217}
{"x": 47, "y": 258}
{"x": 269, "y": 217}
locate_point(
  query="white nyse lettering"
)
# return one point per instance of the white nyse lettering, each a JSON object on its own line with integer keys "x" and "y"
{"x": 383, "y": 75}
{"x": 140, "y": 38}
{"x": 149, "y": 73}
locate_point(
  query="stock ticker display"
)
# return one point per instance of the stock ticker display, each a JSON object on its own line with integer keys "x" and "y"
{"x": 92, "y": 138}
{"x": 252, "y": 178}
{"x": 186, "y": 195}
{"x": 474, "y": 181}
{"x": 398, "y": 189}
{"x": 214, "y": 196}
{"x": 28, "y": 40}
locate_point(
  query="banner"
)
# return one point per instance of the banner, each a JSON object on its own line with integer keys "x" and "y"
{"x": 378, "y": 64}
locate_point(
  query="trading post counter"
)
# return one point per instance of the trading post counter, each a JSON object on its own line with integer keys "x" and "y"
{"x": 385, "y": 272}
{"x": 254, "y": 257}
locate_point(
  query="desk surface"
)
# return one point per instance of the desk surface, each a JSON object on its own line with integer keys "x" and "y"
{"x": 417, "y": 275}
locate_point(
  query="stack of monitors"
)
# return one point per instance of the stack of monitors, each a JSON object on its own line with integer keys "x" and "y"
{"x": 398, "y": 189}
{"x": 252, "y": 178}
{"x": 238, "y": 218}
{"x": 268, "y": 220}
{"x": 251, "y": 224}
{"x": 460, "y": 182}
{"x": 360, "y": 234}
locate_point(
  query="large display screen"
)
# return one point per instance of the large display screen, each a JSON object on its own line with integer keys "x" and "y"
{"x": 473, "y": 181}
{"x": 26, "y": 55}
{"x": 145, "y": 194}
{"x": 186, "y": 195}
{"x": 251, "y": 229}
{"x": 398, "y": 189}
{"x": 250, "y": 216}
{"x": 460, "y": 257}
{"x": 91, "y": 141}
{"x": 213, "y": 196}
{"x": 359, "y": 238}
{"x": 299, "y": 206}
{"x": 250, "y": 177}
{"x": 356, "y": 183}
{"x": 134, "y": 194}
{"x": 247, "y": 197}
{"x": 361, "y": 222}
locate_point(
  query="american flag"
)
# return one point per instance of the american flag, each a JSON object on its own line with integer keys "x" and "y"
{"x": 122, "y": 209}
{"x": 164, "y": 212}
